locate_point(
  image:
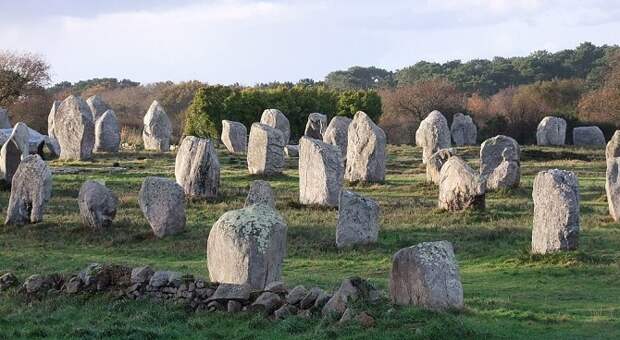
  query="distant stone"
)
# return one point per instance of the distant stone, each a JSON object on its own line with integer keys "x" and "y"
{"x": 231, "y": 291}
{"x": 551, "y": 131}
{"x": 588, "y": 136}
{"x": 463, "y": 130}
{"x": 260, "y": 193}
{"x": 506, "y": 175}
{"x": 97, "y": 205}
{"x": 310, "y": 299}
{"x": 30, "y": 192}
{"x": 337, "y": 133}
{"x": 247, "y": 246}
{"x": 358, "y": 220}
{"x": 163, "y": 203}
{"x": 51, "y": 118}
{"x": 74, "y": 129}
{"x": 234, "y": 136}
{"x": 266, "y": 303}
{"x": 97, "y": 106}
{"x": 296, "y": 295}
{"x": 316, "y": 125}
{"x": 164, "y": 278}
{"x": 12, "y": 152}
{"x": 426, "y": 275}
{"x": 365, "y": 150}
{"x": 435, "y": 162}
{"x": 197, "y": 168}
{"x": 612, "y": 187}
{"x": 5, "y": 122}
{"x": 107, "y": 133}
{"x": 36, "y": 284}
{"x": 265, "y": 150}
{"x": 432, "y": 135}
{"x": 460, "y": 187}
{"x": 277, "y": 120}
{"x": 556, "y": 211}
{"x": 291, "y": 151}
{"x": 157, "y": 129}
{"x": 613, "y": 146}
{"x": 351, "y": 290}
{"x": 320, "y": 173}
{"x": 141, "y": 275}
{"x": 496, "y": 150}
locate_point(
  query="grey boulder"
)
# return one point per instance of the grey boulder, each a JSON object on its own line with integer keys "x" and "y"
{"x": 506, "y": 175}
{"x": 588, "y": 136}
{"x": 316, "y": 125}
{"x": 463, "y": 130}
{"x": 551, "y": 131}
{"x": 30, "y": 191}
{"x": 107, "y": 133}
{"x": 432, "y": 134}
{"x": 197, "y": 168}
{"x": 12, "y": 152}
{"x": 365, "y": 150}
{"x": 337, "y": 133}
{"x": 234, "y": 136}
{"x": 97, "y": 106}
{"x": 358, "y": 220}
{"x": 157, "y": 128}
{"x": 460, "y": 187}
{"x": 74, "y": 129}
{"x": 265, "y": 150}
{"x": 277, "y": 120}
{"x": 320, "y": 173}
{"x": 496, "y": 150}
{"x": 435, "y": 163}
{"x": 260, "y": 193}
{"x": 97, "y": 205}
{"x": 163, "y": 203}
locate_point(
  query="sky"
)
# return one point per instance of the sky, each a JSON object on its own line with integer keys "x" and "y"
{"x": 247, "y": 41}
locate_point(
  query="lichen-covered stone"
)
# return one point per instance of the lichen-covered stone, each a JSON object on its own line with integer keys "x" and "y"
{"x": 496, "y": 150}
{"x": 234, "y": 136}
{"x": 337, "y": 133}
{"x": 612, "y": 187}
{"x": 460, "y": 187}
{"x": 163, "y": 203}
{"x": 277, "y": 120}
{"x": 463, "y": 130}
{"x": 265, "y": 150}
{"x": 551, "y": 131}
{"x": 247, "y": 246}
{"x": 588, "y": 136}
{"x": 97, "y": 106}
{"x": 358, "y": 220}
{"x": 556, "y": 211}
{"x": 197, "y": 168}
{"x": 320, "y": 173}
{"x": 107, "y": 133}
{"x": 157, "y": 128}
{"x": 316, "y": 125}
{"x": 260, "y": 193}
{"x": 426, "y": 275}
{"x": 365, "y": 150}
{"x": 74, "y": 129}
{"x": 30, "y": 191}
{"x": 435, "y": 162}
{"x": 613, "y": 146}
{"x": 432, "y": 135}
{"x": 97, "y": 205}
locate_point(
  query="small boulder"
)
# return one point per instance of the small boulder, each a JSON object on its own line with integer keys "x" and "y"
{"x": 460, "y": 187}
{"x": 358, "y": 220}
{"x": 316, "y": 125}
{"x": 435, "y": 163}
{"x": 496, "y": 150}
{"x": 265, "y": 150}
{"x": 463, "y": 130}
{"x": 551, "y": 131}
{"x": 310, "y": 299}
{"x": 260, "y": 193}
{"x": 197, "y": 168}
{"x": 163, "y": 203}
{"x": 141, "y": 275}
{"x": 30, "y": 191}
{"x": 230, "y": 291}
{"x": 351, "y": 290}
{"x": 365, "y": 150}
{"x": 506, "y": 175}
{"x": 97, "y": 205}
{"x": 285, "y": 312}
{"x": 320, "y": 173}
{"x": 277, "y": 120}
{"x": 266, "y": 303}
{"x": 296, "y": 295}
{"x": 234, "y": 136}
{"x": 107, "y": 133}
{"x": 433, "y": 134}
{"x": 337, "y": 133}
{"x": 588, "y": 136}
{"x": 157, "y": 129}
{"x": 74, "y": 129}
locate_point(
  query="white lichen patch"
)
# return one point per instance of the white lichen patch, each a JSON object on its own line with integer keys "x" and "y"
{"x": 255, "y": 222}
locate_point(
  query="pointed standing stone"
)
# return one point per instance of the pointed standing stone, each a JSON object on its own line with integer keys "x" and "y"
{"x": 320, "y": 173}
{"x": 31, "y": 189}
{"x": 460, "y": 187}
{"x": 74, "y": 129}
{"x": 234, "y": 136}
{"x": 97, "y": 106}
{"x": 500, "y": 154}
{"x": 365, "y": 150}
{"x": 276, "y": 119}
{"x": 432, "y": 135}
{"x": 12, "y": 152}
{"x": 315, "y": 126}
{"x": 157, "y": 129}
{"x": 197, "y": 168}
{"x": 107, "y": 133}
{"x": 463, "y": 130}
{"x": 551, "y": 131}
{"x": 265, "y": 150}
{"x": 51, "y": 117}
{"x": 337, "y": 133}
{"x": 163, "y": 203}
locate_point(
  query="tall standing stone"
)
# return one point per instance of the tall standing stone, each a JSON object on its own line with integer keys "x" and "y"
{"x": 433, "y": 134}
{"x": 556, "y": 211}
{"x": 436, "y": 162}
{"x": 265, "y": 150}
{"x": 5, "y": 122}
{"x": 612, "y": 187}
{"x": 551, "y": 131}
{"x": 494, "y": 151}
{"x": 260, "y": 193}
{"x": 276, "y": 119}
{"x": 463, "y": 130}
{"x": 51, "y": 117}
{"x": 234, "y": 136}
{"x": 163, "y": 203}
{"x": 365, "y": 150}
{"x": 506, "y": 175}
{"x": 460, "y": 187}
{"x": 157, "y": 129}
{"x": 316, "y": 125}
{"x": 97, "y": 106}
{"x": 613, "y": 146}
{"x": 358, "y": 220}
{"x": 426, "y": 275}
{"x": 197, "y": 168}
{"x": 97, "y": 205}
{"x": 247, "y": 246}
{"x": 337, "y": 133}
{"x": 12, "y": 152}
{"x": 31, "y": 189}
{"x": 320, "y": 172}
{"x": 588, "y": 136}
{"x": 74, "y": 129}
{"x": 107, "y": 133}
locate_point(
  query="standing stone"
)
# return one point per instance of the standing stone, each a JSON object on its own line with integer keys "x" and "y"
{"x": 260, "y": 193}
{"x": 358, "y": 220}
{"x": 13, "y": 150}
{"x": 432, "y": 135}
{"x": 157, "y": 129}
{"x": 612, "y": 187}
{"x": 97, "y": 205}
{"x": 496, "y": 150}
{"x": 337, "y": 133}
{"x": 365, "y": 150}
{"x": 551, "y": 131}
{"x": 436, "y": 162}
{"x": 51, "y": 117}
{"x": 316, "y": 125}
{"x": 426, "y": 275}
{"x": 197, "y": 168}
{"x": 97, "y": 106}
{"x": 276, "y": 119}
{"x": 247, "y": 246}
{"x": 107, "y": 133}
{"x": 291, "y": 151}
{"x": 234, "y": 136}
{"x": 31, "y": 189}
{"x": 74, "y": 129}
{"x": 163, "y": 203}
{"x": 460, "y": 187}
{"x": 556, "y": 211}
{"x": 613, "y": 146}
{"x": 320, "y": 173}
{"x": 463, "y": 130}
{"x": 506, "y": 175}
{"x": 5, "y": 122}
{"x": 265, "y": 150}
{"x": 588, "y": 136}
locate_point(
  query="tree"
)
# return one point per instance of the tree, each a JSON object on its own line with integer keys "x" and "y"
{"x": 206, "y": 111}
{"x": 20, "y": 75}
{"x": 359, "y": 78}
{"x": 603, "y": 104}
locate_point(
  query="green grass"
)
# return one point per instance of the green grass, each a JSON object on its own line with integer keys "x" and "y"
{"x": 508, "y": 292}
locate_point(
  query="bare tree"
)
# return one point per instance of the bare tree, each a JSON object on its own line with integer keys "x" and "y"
{"x": 20, "y": 75}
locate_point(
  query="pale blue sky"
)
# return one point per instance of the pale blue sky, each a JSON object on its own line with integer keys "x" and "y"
{"x": 227, "y": 41}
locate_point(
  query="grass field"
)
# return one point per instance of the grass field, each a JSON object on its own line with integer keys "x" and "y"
{"x": 508, "y": 292}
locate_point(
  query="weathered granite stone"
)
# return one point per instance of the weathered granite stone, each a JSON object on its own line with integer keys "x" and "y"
{"x": 97, "y": 106}
{"x": 433, "y": 134}
{"x": 612, "y": 187}
{"x": 506, "y": 175}
{"x": 247, "y": 246}
{"x": 588, "y": 136}
{"x": 107, "y": 133}
{"x": 12, "y": 152}
{"x": 310, "y": 299}
{"x": 197, "y": 168}
{"x": 358, "y": 220}
{"x": 266, "y": 303}
{"x": 234, "y": 136}
{"x": 265, "y": 150}
{"x": 97, "y": 205}
{"x": 51, "y": 117}
{"x": 31, "y": 189}
{"x": 163, "y": 203}
{"x": 232, "y": 291}
{"x": 463, "y": 130}
{"x": 296, "y": 295}
{"x": 426, "y": 275}
{"x": 496, "y": 150}
{"x": 260, "y": 193}
{"x": 5, "y": 122}
{"x": 435, "y": 162}
{"x": 316, "y": 125}
{"x": 320, "y": 173}
{"x": 365, "y": 150}
{"x": 157, "y": 129}
{"x": 613, "y": 146}
{"x": 74, "y": 129}
{"x": 337, "y": 133}
{"x": 460, "y": 187}
{"x": 277, "y": 120}
{"x": 351, "y": 290}
{"x": 551, "y": 131}
{"x": 556, "y": 211}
